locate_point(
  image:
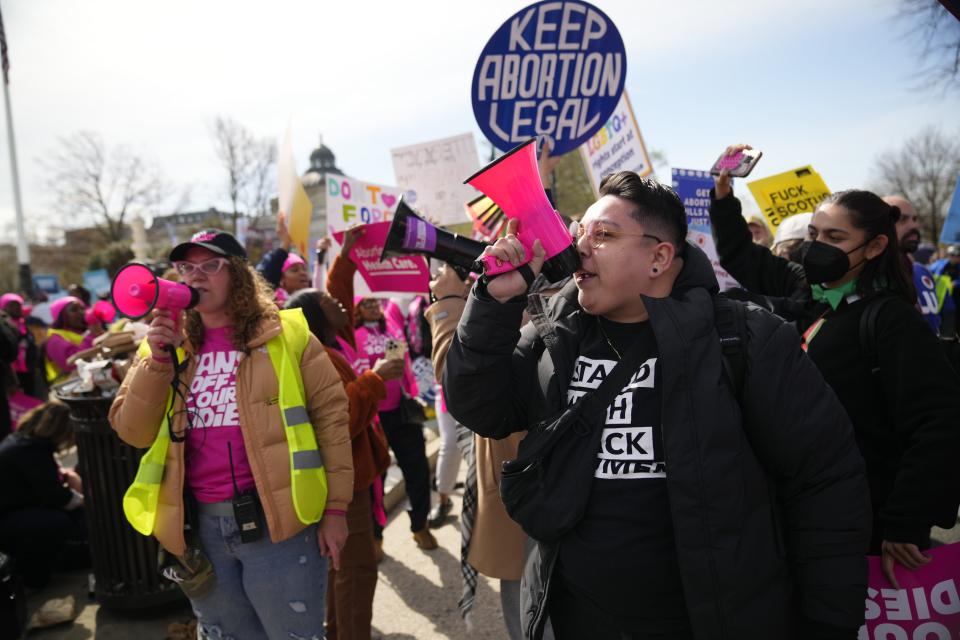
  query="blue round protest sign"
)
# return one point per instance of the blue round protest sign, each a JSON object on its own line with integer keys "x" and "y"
{"x": 554, "y": 69}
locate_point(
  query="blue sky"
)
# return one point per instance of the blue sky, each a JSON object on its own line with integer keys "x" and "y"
{"x": 822, "y": 82}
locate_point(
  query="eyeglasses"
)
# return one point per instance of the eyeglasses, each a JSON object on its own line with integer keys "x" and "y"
{"x": 208, "y": 267}
{"x": 370, "y": 303}
{"x": 599, "y": 234}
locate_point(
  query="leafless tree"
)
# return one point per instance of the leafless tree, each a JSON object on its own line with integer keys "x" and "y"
{"x": 924, "y": 170}
{"x": 263, "y": 178}
{"x": 248, "y": 162}
{"x": 89, "y": 181}
{"x": 936, "y": 32}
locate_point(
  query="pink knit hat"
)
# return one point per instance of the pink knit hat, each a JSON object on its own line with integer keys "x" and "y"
{"x": 292, "y": 259}
{"x": 57, "y": 307}
{"x": 7, "y": 298}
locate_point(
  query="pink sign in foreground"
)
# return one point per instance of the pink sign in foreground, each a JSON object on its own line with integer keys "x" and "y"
{"x": 926, "y": 607}
{"x": 409, "y": 274}
{"x": 20, "y": 403}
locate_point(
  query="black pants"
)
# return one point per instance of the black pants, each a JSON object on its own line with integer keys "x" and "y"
{"x": 575, "y": 618}
{"x": 406, "y": 440}
{"x": 43, "y": 541}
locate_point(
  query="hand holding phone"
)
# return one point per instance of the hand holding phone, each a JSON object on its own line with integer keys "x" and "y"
{"x": 395, "y": 349}
{"x": 738, "y": 161}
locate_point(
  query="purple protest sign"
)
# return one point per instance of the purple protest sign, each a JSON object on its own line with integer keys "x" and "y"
{"x": 401, "y": 274}
{"x": 927, "y": 606}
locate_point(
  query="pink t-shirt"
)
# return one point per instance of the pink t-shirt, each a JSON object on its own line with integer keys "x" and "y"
{"x": 371, "y": 346}
{"x": 216, "y": 434}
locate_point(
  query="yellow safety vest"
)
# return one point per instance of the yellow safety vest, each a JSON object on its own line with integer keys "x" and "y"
{"x": 54, "y": 371}
{"x": 308, "y": 479}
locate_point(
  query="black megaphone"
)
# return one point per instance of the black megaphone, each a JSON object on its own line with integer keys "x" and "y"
{"x": 411, "y": 234}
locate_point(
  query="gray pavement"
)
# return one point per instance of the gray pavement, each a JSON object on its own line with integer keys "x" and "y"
{"x": 417, "y": 591}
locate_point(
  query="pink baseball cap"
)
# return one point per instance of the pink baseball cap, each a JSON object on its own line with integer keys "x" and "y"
{"x": 292, "y": 259}
{"x": 57, "y": 306}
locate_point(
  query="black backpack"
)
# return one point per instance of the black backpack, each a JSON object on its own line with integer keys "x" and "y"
{"x": 868, "y": 336}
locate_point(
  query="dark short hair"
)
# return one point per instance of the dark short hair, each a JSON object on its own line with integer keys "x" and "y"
{"x": 659, "y": 208}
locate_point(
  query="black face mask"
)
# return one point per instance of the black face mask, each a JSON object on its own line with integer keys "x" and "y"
{"x": 824, "y": 262}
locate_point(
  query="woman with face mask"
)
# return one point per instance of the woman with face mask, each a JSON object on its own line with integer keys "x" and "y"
{"x": 900, "y": 391}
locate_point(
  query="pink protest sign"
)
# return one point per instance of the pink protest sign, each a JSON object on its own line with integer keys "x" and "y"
{"x": 926, "y": 607}
{"x": 20, "y": 403}
{"x": 402, "y": 274}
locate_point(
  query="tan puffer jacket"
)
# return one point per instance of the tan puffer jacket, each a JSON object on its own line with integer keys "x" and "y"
{"x": 137, "y": 412}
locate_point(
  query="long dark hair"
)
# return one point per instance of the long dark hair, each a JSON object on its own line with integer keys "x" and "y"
{"x": 888, "y": 271}
{"x": 309, "y": 301}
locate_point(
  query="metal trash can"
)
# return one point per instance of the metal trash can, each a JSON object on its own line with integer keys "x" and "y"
{"x": 125, "y": 563}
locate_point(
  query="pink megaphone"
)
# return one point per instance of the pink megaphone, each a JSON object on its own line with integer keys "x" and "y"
{"x": 136, "y": 291}
{"x": 513, "y": 182}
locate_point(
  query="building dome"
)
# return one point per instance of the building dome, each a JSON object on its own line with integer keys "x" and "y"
{"x": 323, "y": 161}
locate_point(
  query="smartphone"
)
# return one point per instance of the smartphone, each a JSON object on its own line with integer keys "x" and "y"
{"x": 395, "y": 349}
{"x": 739, "y": 164}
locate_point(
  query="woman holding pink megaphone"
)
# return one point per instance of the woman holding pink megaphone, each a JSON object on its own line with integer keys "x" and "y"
{"x": 254, "y": 450}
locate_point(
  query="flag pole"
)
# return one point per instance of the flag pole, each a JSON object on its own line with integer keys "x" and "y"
{"x": 23, "y": 249}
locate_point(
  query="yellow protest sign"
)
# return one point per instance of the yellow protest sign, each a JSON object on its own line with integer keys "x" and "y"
{"x": 783, "y": 195}
{"x": 292, "y": 198}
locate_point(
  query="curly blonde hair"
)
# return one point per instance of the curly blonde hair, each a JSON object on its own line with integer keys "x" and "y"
{"x": 251, "y": 301}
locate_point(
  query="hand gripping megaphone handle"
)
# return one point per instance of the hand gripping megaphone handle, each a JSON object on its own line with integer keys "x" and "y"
{"x": 493, "y": 266}
{"x": 492, "y": 269}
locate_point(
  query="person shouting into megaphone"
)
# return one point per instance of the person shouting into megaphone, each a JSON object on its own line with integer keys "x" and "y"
{"x": 706, "y": 491}
{"x": 256, "y": 435}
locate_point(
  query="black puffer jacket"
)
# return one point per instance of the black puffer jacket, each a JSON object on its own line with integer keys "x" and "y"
{"x": 770, "y": 505}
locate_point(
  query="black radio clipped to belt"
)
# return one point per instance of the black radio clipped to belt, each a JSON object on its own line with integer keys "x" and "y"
{"x": 246, "y": 511}
{"x": 246, "y": 508}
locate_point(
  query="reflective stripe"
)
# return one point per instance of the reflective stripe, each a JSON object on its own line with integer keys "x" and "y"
{"x": 150, "y": 472}
{"x": 296, "y": 415}
{"x": 309, "y": 459}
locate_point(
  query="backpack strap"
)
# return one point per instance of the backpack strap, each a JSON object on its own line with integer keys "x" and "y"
{"x": 868, "y": 331}
{"x": 730, "y": 319}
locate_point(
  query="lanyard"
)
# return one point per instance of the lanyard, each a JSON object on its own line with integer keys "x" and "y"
{"x": 813, "y": 330}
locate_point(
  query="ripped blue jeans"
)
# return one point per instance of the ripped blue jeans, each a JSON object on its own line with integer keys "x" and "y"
{"x": 264, "y": 590}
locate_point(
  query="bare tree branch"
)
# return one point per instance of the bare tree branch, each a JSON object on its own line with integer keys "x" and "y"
{"x": 249, "y": 163}
{"x": 89, "y": 183}
{"x": 936, "y": 33}
{"x": 262, "y": 177}
{"x": 924, "y": 171}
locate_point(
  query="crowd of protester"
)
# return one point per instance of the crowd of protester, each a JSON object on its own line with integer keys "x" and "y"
{"x": 729, "y": 492}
